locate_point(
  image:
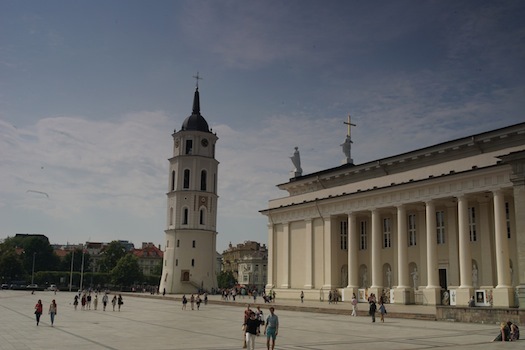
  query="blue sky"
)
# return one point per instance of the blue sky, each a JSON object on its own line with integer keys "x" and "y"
{"x": 90, "y": 92}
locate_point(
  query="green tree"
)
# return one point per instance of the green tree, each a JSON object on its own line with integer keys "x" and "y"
{"x": 127, "y": 272}
{"x": 111, "y": 256}
{"x": 35, "y": 250}
{"x": 226, "y": 279}
{"x": 11, "y": 267}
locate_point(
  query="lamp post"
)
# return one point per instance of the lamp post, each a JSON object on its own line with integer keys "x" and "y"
{"x": 33, "y": 272}
{"x": 71, "y": 274}
{"x": 82, "y": 268}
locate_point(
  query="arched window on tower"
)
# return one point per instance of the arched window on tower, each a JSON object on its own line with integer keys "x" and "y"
{"x": 203, "y": 180}
{"x": 171, "y": 216}
{"x": 185, "y": 216}
{"x": 186, "y": 179}
{"x": 173, "y": 180}
{"x": 189, "y": 146}
{"x": 202, "y": 216}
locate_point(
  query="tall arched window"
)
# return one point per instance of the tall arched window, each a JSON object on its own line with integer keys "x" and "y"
{"x": 185, "y": 216}
{"x": 186, "y": 179}
{"x": 201, "y": 216}
{"x": 203, "y": 180}
{"x": 171, "y": 216}
{"x": 173, "y": 180}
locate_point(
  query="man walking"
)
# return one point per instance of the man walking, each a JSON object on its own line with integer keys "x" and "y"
{"x": 271, "y": 328}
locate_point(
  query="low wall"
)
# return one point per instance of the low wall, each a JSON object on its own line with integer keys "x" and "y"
{"x": 488, "y": 315}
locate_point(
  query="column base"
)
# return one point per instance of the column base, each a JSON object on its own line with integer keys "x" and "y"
{"x": 463, "y": 296}
{"x": 432, "y": 296}
{"x": 403, "y": 295}
{"x": 521, "y": 296}
{"x": 503, "y": 297}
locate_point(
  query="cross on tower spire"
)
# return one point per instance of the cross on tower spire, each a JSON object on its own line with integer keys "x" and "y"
{"x": 197, "y": 78}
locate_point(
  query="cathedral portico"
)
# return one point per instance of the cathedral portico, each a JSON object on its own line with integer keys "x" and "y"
{"x": 410, "y": 233}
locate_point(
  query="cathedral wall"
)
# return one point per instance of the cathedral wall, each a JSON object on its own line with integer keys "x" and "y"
{"x": 298, "y": 254}
{"x": 279, "y": 255}
{"x": 318, "y": 261}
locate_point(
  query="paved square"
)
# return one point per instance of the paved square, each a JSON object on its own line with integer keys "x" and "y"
{"x": 160, "y": 324}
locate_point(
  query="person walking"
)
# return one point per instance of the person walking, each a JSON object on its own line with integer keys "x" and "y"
{"x": 354, "y": 305}
{"x": 382, "y": 309}
{"x": 302, "y": 297}
{"x": 251, "y": 329}
{"x": 184, "y": 302}
{"x": 373, "y": 307}
{"x": 38, "y": 311}
{"x": 104, "y": 301}
{"x": 114, "y": 302}
{"x": 75, "y": 302}
{"x": 52, "y": 311}
{"x": 95, "y": 302}
{"x": 246, "y": 316}
{"x": 120, "y": 301}
{"x": 271, "y": 328}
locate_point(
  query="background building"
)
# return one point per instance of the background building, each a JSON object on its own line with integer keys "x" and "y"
{"x": 248, "y": 262}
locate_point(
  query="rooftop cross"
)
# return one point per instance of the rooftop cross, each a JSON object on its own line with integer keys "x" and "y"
{"x": 197, "y": 78}
{"x": 349, "y": 123}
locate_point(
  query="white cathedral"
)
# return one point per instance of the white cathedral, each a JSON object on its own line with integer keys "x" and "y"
{"x": 433, "y": 226}
{"x": 190, "y": 253}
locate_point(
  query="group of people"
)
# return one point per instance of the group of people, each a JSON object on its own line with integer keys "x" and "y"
{"x": 85, "y": 301}
{"x": 39, "y": 309}
{"x": 372, "y": 302}
{"x": 194, "y": 300}
{"x": 253, "y": 320}
{"x": 508, "y": 332}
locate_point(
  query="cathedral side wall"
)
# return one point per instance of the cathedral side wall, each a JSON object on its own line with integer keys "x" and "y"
{"x": 297, "y": 254}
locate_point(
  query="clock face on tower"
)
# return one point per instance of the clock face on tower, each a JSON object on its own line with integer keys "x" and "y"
{"x": 204, "y": 142}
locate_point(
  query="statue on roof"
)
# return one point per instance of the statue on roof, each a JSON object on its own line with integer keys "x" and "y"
{"x": 296, "y": 160}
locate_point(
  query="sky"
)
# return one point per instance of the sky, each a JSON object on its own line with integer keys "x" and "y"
{"x": 91, "y": 91}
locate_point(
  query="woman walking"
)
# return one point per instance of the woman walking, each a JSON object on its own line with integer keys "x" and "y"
{"x": 38, "y": 311}
{"x": 52, "y": 311}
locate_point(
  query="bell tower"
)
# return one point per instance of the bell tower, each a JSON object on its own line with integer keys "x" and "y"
{"x": 190, "y": 249}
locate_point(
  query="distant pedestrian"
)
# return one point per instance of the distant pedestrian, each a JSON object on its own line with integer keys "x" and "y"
{"x": 246, "y": 316}
{"x": 192, "y": 301}
{"x": 372, "y": 306}
{"x": 184, "y": 302}
{"x": 52, "y": 311}
{"x": 95, "y": 302}
{"x": 38, "y": 311}
{"x": 83, "y": 301}
{"x": 75, "y": 302}
{"x": 120, "y": 302}
{"x": 198, "y": 301}
{"x": 114, "y": 302}
{"x": 205, "y": 298}
{"x": 302, "y": 297}
{"x": 382, "y": 309}
{"x": 105, "y": 301}
{"x": 271, "y": 328}
{"x": 88, "y": 301}
{"x": 354, "y": 305}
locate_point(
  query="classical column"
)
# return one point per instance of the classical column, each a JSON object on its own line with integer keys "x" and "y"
{"x": 432, "y": 259}
{"x": 271, "y": 250}
{"x": 402, "y": 248}
{"x": 376, "y": 251}
{"x": 353, "y": 249}
{"x": 465, "y": 255}
{"x": 327, "y": 253}
{"x": 500, "y": 240}
{"x": 308, "y": 261}
{"x": 286, "y": 255}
